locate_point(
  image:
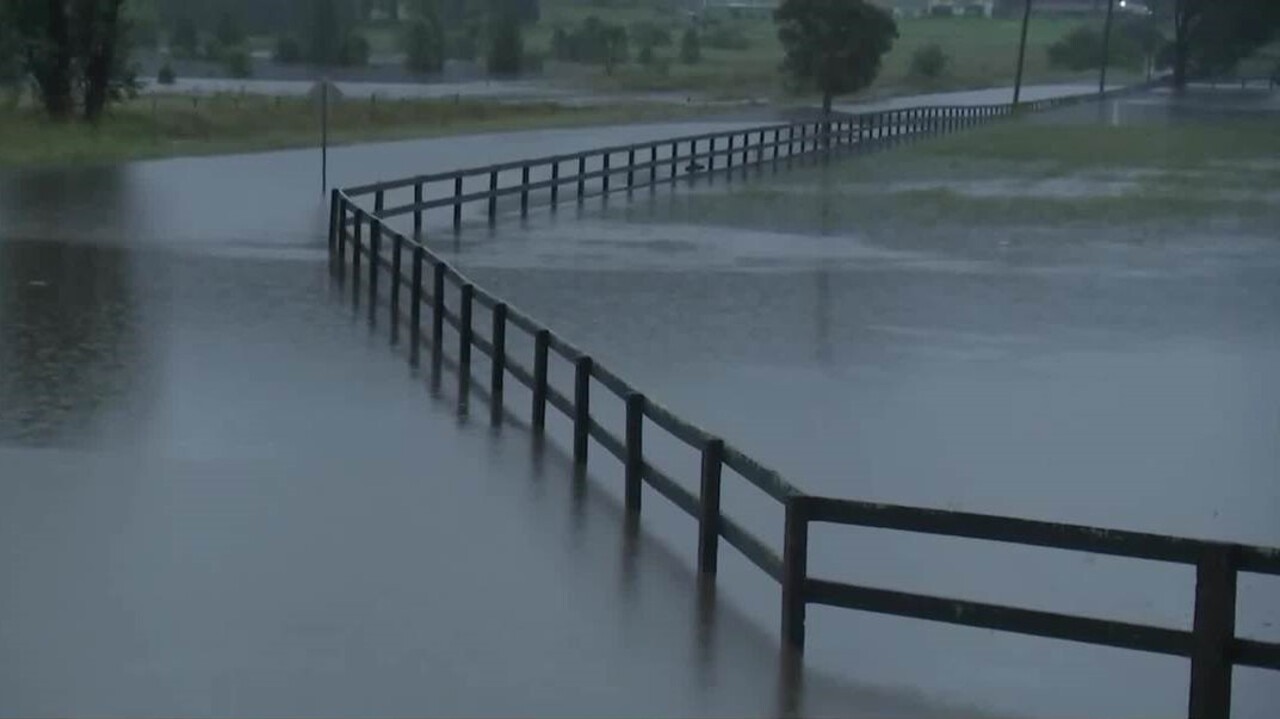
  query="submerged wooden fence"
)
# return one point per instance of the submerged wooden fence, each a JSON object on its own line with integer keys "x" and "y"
{"x": 362, "y": 241}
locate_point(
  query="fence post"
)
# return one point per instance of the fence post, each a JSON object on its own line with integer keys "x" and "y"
{"x": 555, "y": 184}
{"x": 417, "y": 211}
{"x": 379, "y": 203}
{"x": 415, "y": 309}
{"x": 795, "y": 560}
{"x": 334, "y": 199}
{"x": 524, "y": 191}
{"x": 541, "y": 345}
{"x": 635, "y": 452}
{"x": 711, "y": 156}
{"x": 457, "y": 203}
{"x": 791, "y": 141}
{"x": 653, "y": 166}
{"x": 631, "y": 168}
{"x": 675, "y": 159}
{"x": 355, "y": 253}
{"x": 375, "y": 259}
{"x": 498, "y": 366}
{"x": 581, "y": 409}
{"x": 342, "y": 236}
{"x": 605, "y": 173}
{"x": 709, "y": 517}
{"x": 437, "y": 318}
{"x": 464, "y": 346}
{"x": 1213, "y": 631}
{"x": 582, "y": 182}
{"x": 728, "y": 157}
{"x": 397, "y": 265}
{"x": 493, "y": 196}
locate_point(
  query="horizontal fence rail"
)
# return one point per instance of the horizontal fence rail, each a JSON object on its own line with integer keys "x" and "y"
{"x": 362, "y": 239}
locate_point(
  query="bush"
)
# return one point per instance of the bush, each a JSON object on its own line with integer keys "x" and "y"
{"x": 355, "y": 50}
{"x": 165, "y": 76}
{"x": 929, "y": 62}
{"x": 185, "y": 40}
{"x": 228, "y": 31}
{"x": 424, "y": 45}
{"x": 237, "y": 62}
{"x": 288, "y": 50}
{"x": 727, "y": 37}
{"x": 690, "y": 47}
{"x": 463, "y": 45}
{"x": 645, "y": 56}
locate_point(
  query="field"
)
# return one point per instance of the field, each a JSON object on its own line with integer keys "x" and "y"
{"x": 179, "y": 125}
{"x": 1015, "y": 180}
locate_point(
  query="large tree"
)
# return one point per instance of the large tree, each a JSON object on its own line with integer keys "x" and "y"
{"x": 834, "y": 45}
{"x": 1211, "y": 36}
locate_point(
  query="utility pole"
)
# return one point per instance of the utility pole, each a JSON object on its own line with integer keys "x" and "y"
{"x": 324, "y": 134}
{"x": 1022, "y": 52}
{"x": 1106, "y": 47}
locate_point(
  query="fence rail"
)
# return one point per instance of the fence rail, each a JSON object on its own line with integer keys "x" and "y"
{"x": 407, "y": 263}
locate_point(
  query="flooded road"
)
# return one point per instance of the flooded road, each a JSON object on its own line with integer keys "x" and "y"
{"x": 222, "y": 493}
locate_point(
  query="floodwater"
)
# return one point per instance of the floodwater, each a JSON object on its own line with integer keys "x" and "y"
{"x": 221, "y": 493}
{"x": 224, "y": 494}
{"x": 1118, "y": 381}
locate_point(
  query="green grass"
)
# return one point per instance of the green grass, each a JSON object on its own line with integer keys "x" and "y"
{"x": 174, "y": 125}
{"x": 1191, "y": 176}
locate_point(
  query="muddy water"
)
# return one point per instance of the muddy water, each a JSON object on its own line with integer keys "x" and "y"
{"x": 222, "y": 494}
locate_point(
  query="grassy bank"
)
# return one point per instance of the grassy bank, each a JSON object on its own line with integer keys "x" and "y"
{"x": 1154, "y": 180}
{"x": 181, "y": 125}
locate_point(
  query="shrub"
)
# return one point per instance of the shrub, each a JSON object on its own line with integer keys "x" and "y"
{"x": 1081, "y": 49}
{"x": 690, "y": 47}
{"x": 463, "y": 45}
{"x": 648, "y": 33}
{"x": 228, "y": 31}
{"x": 645, "y": 56}
{"x": 237, "y": 62}
{"x": 929, "y": 62}
{"x": 288, "y": 50}
{"x": 165, "y": 76}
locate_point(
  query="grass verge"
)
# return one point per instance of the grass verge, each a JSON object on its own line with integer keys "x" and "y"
{"x": 165, "y": 126}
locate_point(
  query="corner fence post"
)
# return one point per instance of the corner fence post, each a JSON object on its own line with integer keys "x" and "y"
{"x": 457, "y": 203}
{"x": 356, "y": 250}
{"x": 1213, "y": 632}
{"x": 631, "y": 168}
{"x": 498, "y": 365}
{"x": 375, "y": 259}
{"x": 379, "y": 203}
{"x": 341, "y": 258}
{"x": 437, "y": 318}
{"x": 582, "y": 181}
{"x": 709, "y": 508}
{"x": 397, "y": 266}
{"x": 464, "y": 346}
{"x": 415, "y": 308}
{"x": 795, "y": 560}
{"x": 334, "y": 199}
{"x": 555, "y": 184}
{"x": 634, "y": 472}
{"x": 675, "y": 160}
{"x": 606, "y": 174}
{"x": 417, "y": 210}
{"x": 653, "y": 166}
{"x": 728, "y": 157}
{"x": 524, "y": 191}
{"x": 493, "y": 197}
{"x": 711, "y": 158}
{"x": 581, "y": 409}
{"x": 541, "y": 344}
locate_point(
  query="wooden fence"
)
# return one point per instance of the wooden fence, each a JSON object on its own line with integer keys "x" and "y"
{"x": 411, "y": 268}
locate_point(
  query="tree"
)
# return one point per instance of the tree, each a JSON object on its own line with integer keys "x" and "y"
{"x": 185, "y": 40}
{"x": 929, "y": 62}
{"x": 228, "y": 31}
{"x": 615, "y": 47}
{"x": 506, "y": 46}
{"x": 424, "y": 41}
{"x": 1211, "y": 36}
{"x": 690, "y": 47}
{"x": 834, "y": 45}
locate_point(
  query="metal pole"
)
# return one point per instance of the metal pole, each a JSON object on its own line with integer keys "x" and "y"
{"x": 1022, "y": 52}
{"x": 1106, "y": 47}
